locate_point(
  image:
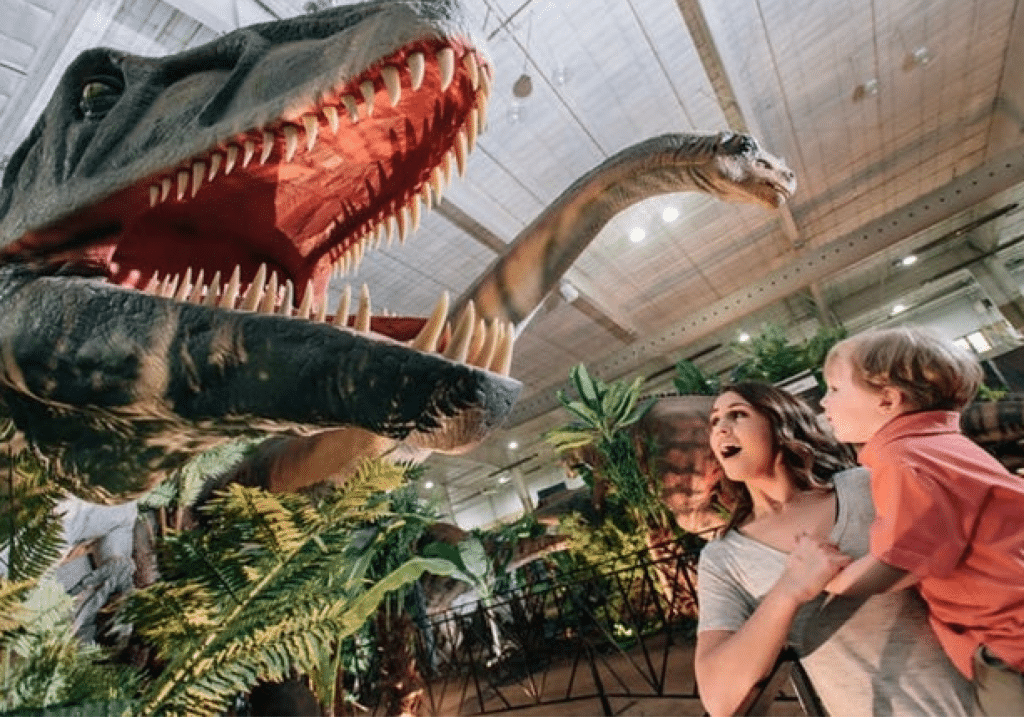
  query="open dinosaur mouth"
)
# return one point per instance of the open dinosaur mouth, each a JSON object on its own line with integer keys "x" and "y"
{"x": 263, "y": 219}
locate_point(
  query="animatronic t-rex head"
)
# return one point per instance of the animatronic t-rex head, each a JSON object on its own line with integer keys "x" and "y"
{"x": 170, "y": 227}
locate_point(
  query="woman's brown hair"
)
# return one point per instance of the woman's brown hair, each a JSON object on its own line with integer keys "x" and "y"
{"x": 808, "y": 450}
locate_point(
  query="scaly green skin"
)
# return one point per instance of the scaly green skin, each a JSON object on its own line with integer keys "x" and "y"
{"x": 126, "y": 174}
{"x": 116, "y": 387}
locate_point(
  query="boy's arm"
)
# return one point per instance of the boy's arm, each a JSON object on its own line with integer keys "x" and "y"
{"x": 869, "y": 576}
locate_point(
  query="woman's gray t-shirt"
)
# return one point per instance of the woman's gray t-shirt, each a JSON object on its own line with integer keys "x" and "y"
{"x": 874, "y": 656}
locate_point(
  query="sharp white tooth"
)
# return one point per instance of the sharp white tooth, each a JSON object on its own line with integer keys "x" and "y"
{"x": 392, "y": 83}
{"x": 321, "y": 313}
{"x": 490, "y": 345}
{"x": 306, "y": 307}
{"x": 428, "y": 201}
{"x": 184, "y": 286}
{"x": 289, "y": 297}
{"x": 472, "y": 128}
{"x": 437, "y": 183}
{"x": 414, "y": 212}
{"x": 392, "y": 228}
{"x": 230, "y": 158}
{"x": 402, "y": 217}
{"x": 417, "y": 70}
{"x": 502, "y": 362}
{"x": 353, "y": 109}
{"x": 477, "y": 344}
{"x": 153, "y": 284}
{"x": 165, "y": 188}
{"x": 250, "y": 150}
{"x": 255, "y": 291}
{"x": 367, "y": 91}
{"x": 213, "y": 291}
{"x": 268, "y": 146}
{"x": 458, "y": 347}
{"x": 312, "y": 127}
{"x": 357, "y": 256}
{"x": 364, "y": 244}
{"x": 182, "y": 183}
{"x": 460, "y": 151}
{"x": 469, "y": 60}
{"x": 170, "y": 284}
{"x": 363, "y": 314}
{"x": 427, "y": 338}
{"x": 447, "y": 166}
{"x": 485, "y": 80}
{"x": 154, "y": 195}
{"x": 227, "y": 300}
{"x": 198, "y": 174}
{"x": 269, "y": 302}
{"x": 196, "y": 297}
{"x": 215, "y": 159}
{"x": 481, "y": 108}
{"x": 446, "y": 66}
{"x": 379, "y": 233}
{"x": 331, "y": 115}
{"x": 291, "y": 142}
{"x": 341, "y": 313}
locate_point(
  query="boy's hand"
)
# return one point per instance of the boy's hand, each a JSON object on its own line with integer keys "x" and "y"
{"x": 869, "y": 576}
{"x": 810, "y": 566}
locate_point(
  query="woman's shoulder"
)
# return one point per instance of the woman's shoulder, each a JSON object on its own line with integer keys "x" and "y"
{"x": 857, "y": 478}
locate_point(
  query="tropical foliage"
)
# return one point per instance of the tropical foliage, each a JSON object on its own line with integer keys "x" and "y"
{"x": 603, "y": 413}
{"x": 269, "y": 588}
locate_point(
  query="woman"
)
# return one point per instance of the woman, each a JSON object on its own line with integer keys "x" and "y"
{"x": 802, "y": 513}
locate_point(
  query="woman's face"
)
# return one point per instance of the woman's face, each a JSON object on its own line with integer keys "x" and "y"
{"x": 741, "y": 438}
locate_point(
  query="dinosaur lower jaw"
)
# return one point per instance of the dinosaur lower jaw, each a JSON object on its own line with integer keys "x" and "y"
{"x": 471, "y": 340}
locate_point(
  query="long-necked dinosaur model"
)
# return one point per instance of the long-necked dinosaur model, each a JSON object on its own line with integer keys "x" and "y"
{"x": 153, "y": 215}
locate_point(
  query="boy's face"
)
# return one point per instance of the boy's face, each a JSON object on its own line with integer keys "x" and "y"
{"x": 855, "y": 411}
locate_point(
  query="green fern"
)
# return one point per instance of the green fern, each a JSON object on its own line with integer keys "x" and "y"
{"x": 271, "y": 585}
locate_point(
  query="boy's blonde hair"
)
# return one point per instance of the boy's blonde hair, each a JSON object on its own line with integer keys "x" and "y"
{"x": 932, "y": 373}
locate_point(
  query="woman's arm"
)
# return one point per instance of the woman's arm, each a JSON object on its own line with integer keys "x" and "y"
{"x": 728, "y": 664}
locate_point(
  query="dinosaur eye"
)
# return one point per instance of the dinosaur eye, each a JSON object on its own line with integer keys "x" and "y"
{"x": 98, "y": 96}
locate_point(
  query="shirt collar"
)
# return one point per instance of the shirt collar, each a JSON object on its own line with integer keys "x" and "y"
{"x": 917, "y": 423}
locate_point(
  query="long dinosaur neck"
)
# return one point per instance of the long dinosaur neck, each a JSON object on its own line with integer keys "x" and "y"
{"x": 516, "y": 284}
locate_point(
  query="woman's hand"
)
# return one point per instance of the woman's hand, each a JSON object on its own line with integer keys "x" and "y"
{"x": 811, "y": 565}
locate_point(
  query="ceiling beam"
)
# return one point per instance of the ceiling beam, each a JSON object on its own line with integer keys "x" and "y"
{"x": 226, "y": 15}
{"x": 589, "y": 299}
{"x": 728, "y": 99}
{"x": 1008, "y": 119}
{"x": 963, "y": 193}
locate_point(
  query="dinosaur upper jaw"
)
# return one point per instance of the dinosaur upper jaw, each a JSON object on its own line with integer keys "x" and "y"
{"x": 166, "y": 187}
{"x": 307, "y": 195}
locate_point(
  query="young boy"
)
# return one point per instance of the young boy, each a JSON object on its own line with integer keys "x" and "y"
{"x": 949, "y": 517}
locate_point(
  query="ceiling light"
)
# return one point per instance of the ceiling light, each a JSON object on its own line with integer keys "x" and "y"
{"x": 909, "y": 260}
{"x": 897, "y": 309}
{"x": 569, "y": 292}
{"x": 670, "y": 214}
{"x": 868, "y": 88}
{"x": 560, "y": 77}
{"x": 504, "y": 479}
{"x": 920, "y": 56}
{"x": 512, "y": 445}
{"x": 743, "y": 338}
{"x": 429, "y": 484}
{"x": 523, "y": 87}
{"x": 636, "y": 235}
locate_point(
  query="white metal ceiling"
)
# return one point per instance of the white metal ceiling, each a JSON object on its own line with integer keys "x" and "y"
{"x": 877, "y": 106}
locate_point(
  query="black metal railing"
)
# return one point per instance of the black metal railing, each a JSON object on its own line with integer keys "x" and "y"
{"x": 600, "y": 634}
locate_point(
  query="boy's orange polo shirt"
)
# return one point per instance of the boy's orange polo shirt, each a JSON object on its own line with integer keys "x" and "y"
{"x": 952, "y": 515}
